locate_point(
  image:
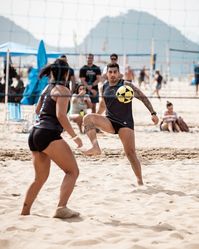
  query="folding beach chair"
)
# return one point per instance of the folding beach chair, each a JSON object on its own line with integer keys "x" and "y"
{"x": 14, "y": 111}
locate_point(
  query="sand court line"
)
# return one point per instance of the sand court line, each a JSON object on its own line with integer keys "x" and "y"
{"x": 145, "y": 154}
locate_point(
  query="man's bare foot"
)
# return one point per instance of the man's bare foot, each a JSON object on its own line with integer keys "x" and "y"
{"x": 92, "y": 152}
{"x": 25, "y": 210}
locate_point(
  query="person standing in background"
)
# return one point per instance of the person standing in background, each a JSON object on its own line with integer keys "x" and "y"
{"x": 129, "y": 74}
{"x": 90, "y": 76}
{"x": 143, "y": 77}
{"x": 113, "y": 59}
{"x": 158, "y": 80}
{"x": 71, "y": 82}
{"x": 196, "y": 74}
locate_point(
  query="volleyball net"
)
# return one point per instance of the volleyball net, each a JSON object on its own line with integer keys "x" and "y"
{"x": 155, "y": 34}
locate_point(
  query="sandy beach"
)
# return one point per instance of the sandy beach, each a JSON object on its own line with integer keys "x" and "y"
{"x": 115, "y": 213}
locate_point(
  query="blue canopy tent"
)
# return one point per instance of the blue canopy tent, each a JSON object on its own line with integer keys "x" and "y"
{"x": 35, "y": 86}
{"x": 13, "y": 49}
{"x": 16, "y": 49}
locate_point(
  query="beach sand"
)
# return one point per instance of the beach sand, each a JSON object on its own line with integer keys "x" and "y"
{"x": 115, "y": 213}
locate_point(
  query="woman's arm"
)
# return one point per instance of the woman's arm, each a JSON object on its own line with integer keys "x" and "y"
{"x": 39, "y": 105}
{"x": 74, "y": 98}
{"x": 88, "y": 101}
{"x": 40, "y": 101}
{"x": 62, "y": 101}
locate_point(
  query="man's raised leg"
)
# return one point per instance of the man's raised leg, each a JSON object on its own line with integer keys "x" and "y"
{"x": 91, "y": 122}
{"x": 90, "y": 130}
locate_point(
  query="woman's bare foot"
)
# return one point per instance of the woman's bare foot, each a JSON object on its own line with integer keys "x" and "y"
{"x": 64, "y": 213}
{"x": 25, "y": 213}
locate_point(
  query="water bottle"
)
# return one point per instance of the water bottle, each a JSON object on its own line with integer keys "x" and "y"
{"x": 82, "y": 113}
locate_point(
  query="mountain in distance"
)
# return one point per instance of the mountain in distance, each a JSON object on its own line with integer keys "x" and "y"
{"x": 133, "y": 32}
{"x": 11, "y": 32}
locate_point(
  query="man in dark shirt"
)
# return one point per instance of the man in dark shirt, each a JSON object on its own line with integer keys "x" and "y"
{"x": 196, "y": 73}
{"x": 118, "y": 119}
{"x": 158, "y": 79}
{"x": 19, "y": 89}
{"x": 71, "y": 76}
{"x": 113, "y": 59}
{"x": 2, "y": 90}
{"x": 143, "y": 77}
{"x": 12, "y": 73}
{"x": 90, "y": 76}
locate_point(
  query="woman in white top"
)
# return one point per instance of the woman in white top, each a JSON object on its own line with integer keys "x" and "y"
{"x": 79, "y": 104}
{"x": 169, "y": 119}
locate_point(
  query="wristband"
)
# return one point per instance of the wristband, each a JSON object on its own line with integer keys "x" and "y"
{"x": 153, "y": 113}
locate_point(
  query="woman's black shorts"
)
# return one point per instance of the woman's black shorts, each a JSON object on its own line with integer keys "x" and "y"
{"x": 39, "y": 139}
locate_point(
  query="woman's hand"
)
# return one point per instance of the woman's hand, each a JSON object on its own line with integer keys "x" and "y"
{"x": 82, "y": 93}
{"x": 86, "y": 98}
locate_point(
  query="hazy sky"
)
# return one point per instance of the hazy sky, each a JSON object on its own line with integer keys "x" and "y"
{"x": 62, "y": 22}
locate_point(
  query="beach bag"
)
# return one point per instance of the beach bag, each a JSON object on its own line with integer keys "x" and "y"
{"x": 181, "y": 123}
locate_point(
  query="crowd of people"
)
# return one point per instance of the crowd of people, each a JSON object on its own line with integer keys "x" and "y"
{"x": 90, "y": 75}
{"x": 14, "y": 91}
{"x": 84, "y": 87}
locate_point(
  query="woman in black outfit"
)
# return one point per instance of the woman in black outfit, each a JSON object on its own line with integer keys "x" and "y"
{"x": 46, "y": 143}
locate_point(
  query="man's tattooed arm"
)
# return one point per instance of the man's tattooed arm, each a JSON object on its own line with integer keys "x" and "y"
{"x": 140, "y": 95}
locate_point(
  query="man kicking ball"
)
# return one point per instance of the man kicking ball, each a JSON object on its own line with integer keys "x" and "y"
{"x": 118, "y": 119}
